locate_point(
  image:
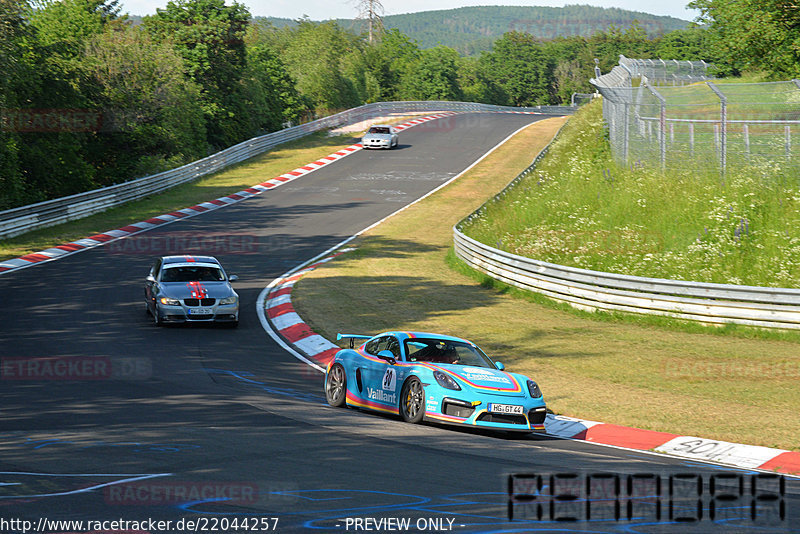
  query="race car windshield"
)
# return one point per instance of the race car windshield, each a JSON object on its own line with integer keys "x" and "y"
{"x": 446, "y": 351}
{"x": 192, "y": 274}
{"x": 376, "y": 130}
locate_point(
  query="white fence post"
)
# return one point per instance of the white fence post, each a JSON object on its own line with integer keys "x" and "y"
{"x": 723, "y": 102}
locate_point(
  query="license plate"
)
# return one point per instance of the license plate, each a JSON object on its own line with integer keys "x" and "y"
{"x": 505, "y": 408}
{"x": 200, "y": 311}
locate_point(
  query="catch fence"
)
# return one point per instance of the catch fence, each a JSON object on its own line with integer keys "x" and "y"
{"x": 672, "y": 114}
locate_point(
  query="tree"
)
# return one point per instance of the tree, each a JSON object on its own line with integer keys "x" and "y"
{"x": 477, "y": 86}
{"x": 272, "y": 96}
{"x": 209, "y": 35}
{"x": 519, "y": 65}
{"x": 761, "y": 35}
{"x": 574, "y": 66}
{"x": 388, "y": 62}
{"x": 56, "y": 162}
{"x": 690, "y": 44}
{"x": 149, "y": 107}
{"x": 314, "y": 54}
{"x": 15, "y": 72}
{"x": 434, "y": 77}
{"x": 607, "y": 46}
{"x": 371, "y": 11}
{"x": 73, "y": 21}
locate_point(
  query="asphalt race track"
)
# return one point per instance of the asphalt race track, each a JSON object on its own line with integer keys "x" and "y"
{"x": 216, "y": 425}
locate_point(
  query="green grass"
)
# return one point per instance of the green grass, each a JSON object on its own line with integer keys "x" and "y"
{"x": 253, "y": 171}
{"x": 658, "y": 374}
{"x": 580, "y": 209}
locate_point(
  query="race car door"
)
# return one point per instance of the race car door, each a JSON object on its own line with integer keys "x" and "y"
{"x": 380, "y": 375}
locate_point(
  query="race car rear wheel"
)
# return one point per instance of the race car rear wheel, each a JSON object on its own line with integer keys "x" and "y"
{"x": 412, "y": 401}
{"x": 336, "y": 386}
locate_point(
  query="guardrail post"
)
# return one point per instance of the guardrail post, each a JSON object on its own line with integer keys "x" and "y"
{"x": 723, "y": 118}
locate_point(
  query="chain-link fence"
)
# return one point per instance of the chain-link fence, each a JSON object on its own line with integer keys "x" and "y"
{"x": 579, "y": 99}
{"x": 677, "y": 117}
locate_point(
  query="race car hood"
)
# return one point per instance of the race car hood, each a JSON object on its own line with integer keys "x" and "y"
{"x": 187, "y": 290}
{"x": 488, "y": 380}
{"x": 382, "y": 137}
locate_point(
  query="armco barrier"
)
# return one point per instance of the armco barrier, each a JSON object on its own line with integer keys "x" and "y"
{"x": 593, "y": 290}
{"x": 43, "y": 214}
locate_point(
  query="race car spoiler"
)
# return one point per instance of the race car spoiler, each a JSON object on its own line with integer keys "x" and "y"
{"x": 351, "y": 337}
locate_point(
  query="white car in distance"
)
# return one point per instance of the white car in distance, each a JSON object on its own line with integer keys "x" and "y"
{"x": 380, "y": 136}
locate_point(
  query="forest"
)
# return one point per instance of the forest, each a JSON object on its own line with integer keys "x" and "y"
{"x": 89, "y": 99}
{"x": 471, "y": 30}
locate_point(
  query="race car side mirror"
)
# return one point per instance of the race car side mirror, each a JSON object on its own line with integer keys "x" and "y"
{"x": 499, "y": 365}
{"x": 388, "y": 356}
{"x": 150, "y": 278}
{"x": 233, "y": 278}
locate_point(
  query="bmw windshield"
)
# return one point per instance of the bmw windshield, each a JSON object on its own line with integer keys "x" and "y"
{"x": 446, "y": 351}
{"x": 198, "y": 273}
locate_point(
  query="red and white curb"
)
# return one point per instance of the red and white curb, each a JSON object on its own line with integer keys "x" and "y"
{"x": 97, "y": 240}
{"x": 299, "y": 339}
{"x": 277, "y": 309}
{"x": 691, "y": 447}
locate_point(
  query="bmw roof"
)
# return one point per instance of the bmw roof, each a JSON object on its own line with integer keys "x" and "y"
{"x": 188, "y": 258}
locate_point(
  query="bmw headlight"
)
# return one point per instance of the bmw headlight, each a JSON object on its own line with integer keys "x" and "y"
{"x": 533, "y": 389}
{"x": 446, "y": 381}
{"x": 169, "y": 302}
{"x": 228, "y": 300}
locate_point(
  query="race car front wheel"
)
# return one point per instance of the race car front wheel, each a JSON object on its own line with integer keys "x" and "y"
{"x": 412, "y": 401}
{"x": 336, "y": 386}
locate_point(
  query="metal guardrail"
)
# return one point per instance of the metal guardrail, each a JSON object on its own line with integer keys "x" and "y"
{"x": 593, "y": 290}
{"x": 17, "y": 221}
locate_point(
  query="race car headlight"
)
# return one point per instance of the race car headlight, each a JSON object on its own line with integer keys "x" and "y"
{"x": 533, "y": 389}
{"x": 228, "y": 300}
{"x": 169, "y": 302}
{"x": 446, "y": 381}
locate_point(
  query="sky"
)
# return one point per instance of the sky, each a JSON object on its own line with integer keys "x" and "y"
{"x": 331, "y": 9}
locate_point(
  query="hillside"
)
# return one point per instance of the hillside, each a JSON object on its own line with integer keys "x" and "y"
{"x": 472, "y": 29}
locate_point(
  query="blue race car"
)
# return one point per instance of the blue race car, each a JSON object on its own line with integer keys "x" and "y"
{"x": 433, "y": 377}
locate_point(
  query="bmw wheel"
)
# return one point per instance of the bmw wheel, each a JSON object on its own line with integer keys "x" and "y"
{"x": 336, "y": 386}
{"x": 412, "y": 401}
